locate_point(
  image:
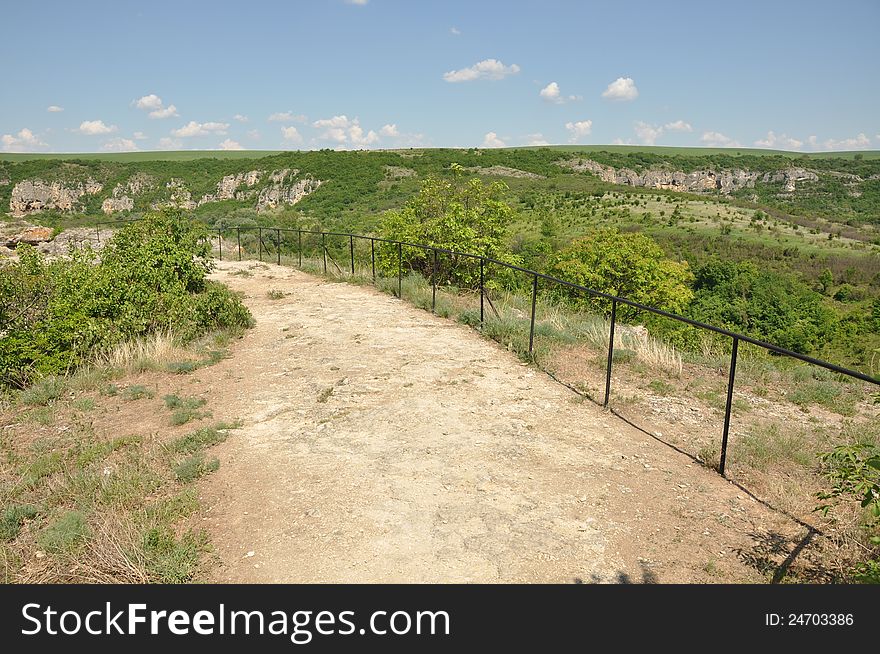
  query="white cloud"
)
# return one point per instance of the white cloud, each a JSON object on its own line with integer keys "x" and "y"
{"x": 343, "y": 131}
{"x": 229, "y": 144}
{"x": 389, "y": 130}
{"x": 648, "y": 134}
{"x": 718, "y": 140}
{"x": 291, "y": 135}
{"x": 491, "y": 140}
{"x": 254, "y": 134}
{"x": 579, "y": 129}
{"x": 551, "y": 93}
{"x": 486, "y": 69}
{"x": 54, "y": 109}
{"x": 139, "y": 136}
{"x": 92, "y": 127}
{"x": 287, "y": 117}
{"x": 360, "y": 3}
{"x": 24, "y": 141}
{"x": 781, "y": 141}
{"x": 859, "y": 142}
{"x": 536, "y": 139}
{"x": 455, "y": 31}
{"x": 678, "y": 126}
{"x": 149, "y": 102}
{"x": 168, "y": 112}
{"x": 120, "y": 145}
{"x": 166, "y": 143}
{"x": 623, "y": 88}
{"x": 192, "y": 128}
{"x": 240, "y": 118}
{"x": 153, "y": 103}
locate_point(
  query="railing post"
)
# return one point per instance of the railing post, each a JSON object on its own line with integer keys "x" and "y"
{"x": 278, "y": 244}
{"x": 434, "y": 284}
{"x": 351, "y": 249}
{"x": 534, "y": 304}
{"x": 324, "y": 248}
{"x": 400, "y": 270}
{"x": 220, "y": 243}
{"x": 610, "y": 353}
{"x": 730, "y": 380}
{"x": 482, "y": 292}
{"x": 238, "y": 239}
{"x": 299, "y": 246}
{"x": 373, "y": 257}
{"x": 260, "y": 242}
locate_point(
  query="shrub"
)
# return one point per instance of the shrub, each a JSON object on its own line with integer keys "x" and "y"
{"x": 151, "y": 278}
{"x": 629, "y": 265}
{"x": 467, "y": 217}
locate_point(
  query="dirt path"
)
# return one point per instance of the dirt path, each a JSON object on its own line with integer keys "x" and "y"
{"x": 383, "y": 444}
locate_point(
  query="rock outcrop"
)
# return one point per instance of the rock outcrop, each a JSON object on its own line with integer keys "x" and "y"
{"x": 280, "y": 192}
{"x": 122, "y": 197}
{"x": 700, "y": 181}
{"x": 228, "y": 187}
{"x": 35, "y": 195}
{"x": 31, "y": 235}
{"x": 504, "y": 171}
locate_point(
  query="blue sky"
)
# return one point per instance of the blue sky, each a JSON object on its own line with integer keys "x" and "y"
{"x": 92, "y": 76}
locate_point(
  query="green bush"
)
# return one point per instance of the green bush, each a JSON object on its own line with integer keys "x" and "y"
{"x": 629, "y": 265}
{"x": 151, "y": 277}
{"x": 467, "y": 217}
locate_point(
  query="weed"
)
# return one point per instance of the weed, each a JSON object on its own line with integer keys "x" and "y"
{"x": 200, "y": 439}
{"x": 137, "y": 392}
{"x": 324, "y": 395}
{"x": 661, "y": 387}
{"x": 185, "y": 409}
{"x": 43, "y": 392}
{"x": 172, "y": 560}
{"x": 274, "y": 294}
{"x": 84, "y": 404}
{"x": 193, "y": 467}
{"x": 12, "y": 519}
{"x": 65, "y": 533}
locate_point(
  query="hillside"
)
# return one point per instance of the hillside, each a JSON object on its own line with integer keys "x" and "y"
{"x": 812, "y": 220}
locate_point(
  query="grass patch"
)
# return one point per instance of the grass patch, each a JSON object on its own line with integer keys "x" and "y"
{"x": 43, "y": 392}
{"x": 65, "y": 533}
{"x": 185, "y": 409}
{"x": 200, "y": 439}
{"x": 325, "y": 394}
{"x": 274, "y": 294}
{"x": 193, "y": 467}
{"x": 137, "y": 392}
{"x": 13, "y": 518}
{"x": 84, "y": 404}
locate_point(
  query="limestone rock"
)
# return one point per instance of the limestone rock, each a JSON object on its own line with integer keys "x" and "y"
{"x": 121, "y": 203}
{"x": 228, "y": 187}
{"x": 279, "y": 193}
{"x": 699, "y": 181}
{"x": 34, "y": 195}
{"x": 33, "y": 235}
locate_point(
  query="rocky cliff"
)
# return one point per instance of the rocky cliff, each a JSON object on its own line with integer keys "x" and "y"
{"x": 700, "y": 181}
{"x": 35, "y": 195}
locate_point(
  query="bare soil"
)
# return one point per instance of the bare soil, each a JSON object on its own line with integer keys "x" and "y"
{"x": 383, "y": 444}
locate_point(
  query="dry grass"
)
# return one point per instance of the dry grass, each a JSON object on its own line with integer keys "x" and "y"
{"x": 153, "y": 352}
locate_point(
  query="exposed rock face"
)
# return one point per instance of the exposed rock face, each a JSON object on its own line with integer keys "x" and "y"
{"x": 227, "y": 188}
{"x": 33, "y": 235}
{"x": 700, "y": 181}
{"x": 280, "y": 193}
{"x": 112, "y": 205}
{"x": 180, "y": 195}
{"x": 505, "y": 171}
{"x": 32, "y": 196}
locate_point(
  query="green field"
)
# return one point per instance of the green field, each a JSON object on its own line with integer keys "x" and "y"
{"x": 190, "y": 155}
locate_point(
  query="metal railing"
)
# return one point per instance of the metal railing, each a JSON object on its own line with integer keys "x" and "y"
{"x": 535, "y": 276}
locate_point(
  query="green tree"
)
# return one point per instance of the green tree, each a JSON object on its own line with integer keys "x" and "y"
{"x": 629, "y": 265}
{"x": 461, "y": 216}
